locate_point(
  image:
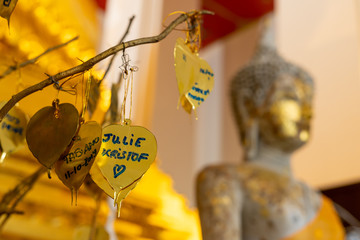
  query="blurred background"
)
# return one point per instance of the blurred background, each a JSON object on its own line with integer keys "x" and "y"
{"x": 321, "y": 36}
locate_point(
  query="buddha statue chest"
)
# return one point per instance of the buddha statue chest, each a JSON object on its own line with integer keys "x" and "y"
{"x": 274, "y": 206}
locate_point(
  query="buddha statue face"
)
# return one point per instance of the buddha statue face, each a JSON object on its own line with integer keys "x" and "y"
{"x": 284, "y": 118}
{"x": 271, "y": 101}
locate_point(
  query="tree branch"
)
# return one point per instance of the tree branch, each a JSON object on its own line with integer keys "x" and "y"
{"x": 91, "y": 62}
{"x": 33, "y": 60}
{"x": 121, "y": 40}
{"x": 9, "y": 212}
{"x": 13, "y": 197}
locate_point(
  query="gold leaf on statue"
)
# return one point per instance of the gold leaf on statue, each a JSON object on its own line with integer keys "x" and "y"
{"x": 202, "y": 86}
{"x": 187, "y": 65}
{"x": 12, "y": 129}
{"x": 126, "y": 154}
{"x": 73, "y": 168}
{"x": 6, "y": 8}
{"x": 50, "y": 131}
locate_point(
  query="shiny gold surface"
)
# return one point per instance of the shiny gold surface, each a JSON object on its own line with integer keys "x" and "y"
{"x": 75, "y": 166}
{"x": 50, "y": 131}
{"x": 287, "y": 114}
{"x": 126, "y": 153}
{"x": 13, "y": 130}
{"x": 6, "y": 9}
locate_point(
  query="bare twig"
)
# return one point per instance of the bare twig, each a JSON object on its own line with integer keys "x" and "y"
{"x": 9, "y": 212}
{"x": 121, "y": 40}
{"x": 91, "y": 62}
{"x": 10, "y": 200}
{"x": 95, "y": 88}
{"x": 33, "y": 60}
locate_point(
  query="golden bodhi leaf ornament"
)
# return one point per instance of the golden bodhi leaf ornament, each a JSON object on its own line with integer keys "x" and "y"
{"x": 12, "y": 130}
{"x": 194, "y": 76}
{"x": 202, "y": 86}
{"x": 73, "y": 168}
{"x": 6, "y": 8}
{"x": 126, "y": 154}
{"x": 187, "y": 66}
{"x": 51, "y": 130}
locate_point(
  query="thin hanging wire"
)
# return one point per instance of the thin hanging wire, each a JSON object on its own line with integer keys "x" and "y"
{"x": 128, "y": 76}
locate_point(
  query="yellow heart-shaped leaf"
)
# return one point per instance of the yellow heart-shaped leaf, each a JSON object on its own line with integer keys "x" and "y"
{"x": 187, "y": 66}
{"x": 126, "y": 154}
{"x": 13, "y": 129}
{"x": 203, "y": 85}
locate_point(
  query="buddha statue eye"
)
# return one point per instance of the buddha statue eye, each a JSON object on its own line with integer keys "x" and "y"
{"x": 286, "y": 109}
{"x": 307, "y": 112}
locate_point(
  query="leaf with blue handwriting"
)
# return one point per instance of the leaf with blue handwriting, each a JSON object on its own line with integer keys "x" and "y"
{"x": 125, "y": 155}
{"x": 187, "y": 65}
{"x": 202, "y": 87}
{"x": 12, "y": 130}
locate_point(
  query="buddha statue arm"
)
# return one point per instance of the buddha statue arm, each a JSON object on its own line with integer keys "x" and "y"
{"x": 219, "y": 200}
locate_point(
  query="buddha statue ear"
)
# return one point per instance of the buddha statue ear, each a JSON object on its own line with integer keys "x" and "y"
{"x": 248, "y": 125}
{"x": 250, "y": 140}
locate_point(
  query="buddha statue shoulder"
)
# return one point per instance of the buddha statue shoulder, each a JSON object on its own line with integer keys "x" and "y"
{"x": 260, "y": 199}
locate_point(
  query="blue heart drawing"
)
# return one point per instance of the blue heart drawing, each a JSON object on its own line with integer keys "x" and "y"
{"x": 118, "y": 170}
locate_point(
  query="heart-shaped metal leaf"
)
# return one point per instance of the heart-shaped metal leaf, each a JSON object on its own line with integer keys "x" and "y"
{"x": 202, "y": 86}
{"x": 13, "y": 129}
{"x": 125, "y": 155}
{"x": 50, "y": 131}
{"x": 186, "y": 66}
{"x": 73, "y": 168}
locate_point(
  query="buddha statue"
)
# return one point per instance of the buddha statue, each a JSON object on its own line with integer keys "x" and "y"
{"x": 260, "y": 199}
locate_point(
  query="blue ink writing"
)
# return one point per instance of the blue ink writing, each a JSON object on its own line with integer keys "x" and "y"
{"x": 206, "y": 72}
{"x": 118, "y": 170}
{"x": 131, "y": 140}
{"x": 12, "y": 119}
{"x": 115, "y": 139}
{"x": 8, "y": 127}
{"x": 118, "y": 154}
{"x": 200, "y": 99}
{"x": 138, "y": 141}
{"x": 106, "y": 152}
{"x": 124, "y": 140}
